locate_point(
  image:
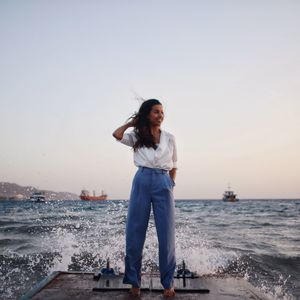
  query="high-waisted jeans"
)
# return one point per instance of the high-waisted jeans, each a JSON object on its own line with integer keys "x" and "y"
{"x": 150, "y": 186}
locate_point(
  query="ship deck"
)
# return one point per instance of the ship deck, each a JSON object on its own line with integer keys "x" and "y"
{"x": 79, "y": 285}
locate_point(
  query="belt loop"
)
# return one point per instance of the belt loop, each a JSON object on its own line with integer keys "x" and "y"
{"x": 142, "y": 169}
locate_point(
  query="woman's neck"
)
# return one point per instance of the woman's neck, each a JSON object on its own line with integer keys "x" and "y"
{"x": 155, "y": 130}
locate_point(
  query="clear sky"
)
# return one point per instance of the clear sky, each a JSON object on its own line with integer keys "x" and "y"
{"x": 227, "y": 73}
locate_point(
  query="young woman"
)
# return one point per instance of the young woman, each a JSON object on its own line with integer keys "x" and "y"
{"x": 155, "y": 156}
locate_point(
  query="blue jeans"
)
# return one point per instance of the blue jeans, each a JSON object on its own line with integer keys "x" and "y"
{"x": 150, "y": 186}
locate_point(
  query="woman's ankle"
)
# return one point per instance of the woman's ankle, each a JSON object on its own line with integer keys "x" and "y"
{"x": 169, "y": 292}
{"x": 135, "y": 291}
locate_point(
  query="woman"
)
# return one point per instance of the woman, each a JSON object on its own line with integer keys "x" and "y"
{"x": 155, "y": 156}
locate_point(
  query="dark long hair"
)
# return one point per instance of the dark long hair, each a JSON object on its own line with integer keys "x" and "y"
{"x": 142, "y": 125}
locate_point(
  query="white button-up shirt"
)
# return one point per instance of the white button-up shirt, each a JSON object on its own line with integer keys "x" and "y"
{"x": 163, "y": 157}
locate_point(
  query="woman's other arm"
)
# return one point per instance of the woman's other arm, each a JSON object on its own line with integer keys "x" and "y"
{"x": 173, "y": 173}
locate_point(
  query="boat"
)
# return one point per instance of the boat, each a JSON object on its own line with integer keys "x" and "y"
{"x": 85, "y": 195}
{"x": 38, "y": 197}
{"x": 229, "y": 196}
{"x": 106, "y": 284}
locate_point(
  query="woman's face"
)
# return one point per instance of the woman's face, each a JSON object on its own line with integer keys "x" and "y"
{"x": 156, "y": 115}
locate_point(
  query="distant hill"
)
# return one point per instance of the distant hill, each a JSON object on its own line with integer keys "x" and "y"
{"x": 14, "y": 191}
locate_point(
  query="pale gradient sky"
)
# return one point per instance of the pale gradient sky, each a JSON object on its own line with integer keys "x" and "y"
{"x": 227, "y": 72}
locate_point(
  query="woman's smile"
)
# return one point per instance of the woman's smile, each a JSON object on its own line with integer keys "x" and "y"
{"x": 156, "y": 115}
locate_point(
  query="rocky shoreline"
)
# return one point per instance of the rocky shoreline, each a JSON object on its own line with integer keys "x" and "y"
{"x": 13, "y": 191}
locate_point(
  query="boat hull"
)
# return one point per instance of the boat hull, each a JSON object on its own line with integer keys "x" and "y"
{"x": 230, "y": 200}
{"x": 93, "y": 198}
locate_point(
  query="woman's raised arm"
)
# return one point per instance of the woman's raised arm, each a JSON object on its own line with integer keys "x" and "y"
{"x": 118, "y": 133}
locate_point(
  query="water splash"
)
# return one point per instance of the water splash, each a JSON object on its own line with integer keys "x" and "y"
{"x": 81, "y": 236}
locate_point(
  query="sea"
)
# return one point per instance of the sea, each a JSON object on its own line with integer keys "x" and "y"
{"x": 258, "y": 240}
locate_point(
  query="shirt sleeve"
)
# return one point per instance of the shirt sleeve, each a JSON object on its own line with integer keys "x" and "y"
{"x": 174, "y": 157}
{"x": 128, "y": 139}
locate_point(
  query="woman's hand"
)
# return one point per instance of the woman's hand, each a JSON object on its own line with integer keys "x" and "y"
{"x": 133, "y": 121}
{"x": 172, "y": 174}
{"x": 118, "y": 133}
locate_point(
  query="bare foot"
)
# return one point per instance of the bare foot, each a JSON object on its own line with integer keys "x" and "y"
{"x": 135, "y": 291}
{"x": 169, "y": 292}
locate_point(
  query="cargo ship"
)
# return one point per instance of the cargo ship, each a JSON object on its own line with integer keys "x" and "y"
{"x": 85, "y": 195}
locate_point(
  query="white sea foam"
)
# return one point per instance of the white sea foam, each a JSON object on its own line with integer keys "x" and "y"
{"x": 211, "y": 237}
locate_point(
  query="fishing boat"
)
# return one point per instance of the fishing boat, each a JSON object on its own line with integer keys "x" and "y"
{"x": 85, "y": 195}
{"x": 38, "y": 197}
{"x": 229, "y": 196}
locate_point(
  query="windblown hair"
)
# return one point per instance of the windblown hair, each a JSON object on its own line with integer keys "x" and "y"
{"x": 142, "y": 125}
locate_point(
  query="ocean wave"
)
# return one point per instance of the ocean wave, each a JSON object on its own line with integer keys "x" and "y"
{"x": 263, "y": 271}
{"x": 266, "y": 272}
{"x": 211, "y": 237}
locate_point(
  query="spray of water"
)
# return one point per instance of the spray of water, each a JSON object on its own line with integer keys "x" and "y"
{"x": 84, "y": 237}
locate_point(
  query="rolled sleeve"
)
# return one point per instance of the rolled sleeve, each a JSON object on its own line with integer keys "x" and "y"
{"x": 128, "y": 139}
